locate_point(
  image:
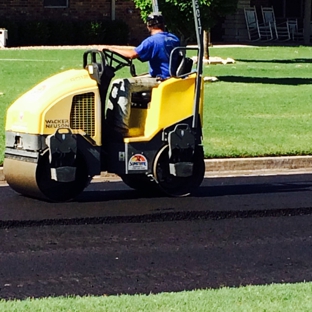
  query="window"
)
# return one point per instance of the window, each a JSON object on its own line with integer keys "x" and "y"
{"x": 55, "y": 3}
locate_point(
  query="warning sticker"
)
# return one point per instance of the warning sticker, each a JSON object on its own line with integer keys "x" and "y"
{"x": 138, "y": 162}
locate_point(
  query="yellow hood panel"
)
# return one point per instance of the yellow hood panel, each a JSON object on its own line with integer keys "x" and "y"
{"x": 28, "y": 112}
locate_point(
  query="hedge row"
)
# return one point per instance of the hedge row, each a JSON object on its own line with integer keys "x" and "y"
{"x": 50, "y": 32}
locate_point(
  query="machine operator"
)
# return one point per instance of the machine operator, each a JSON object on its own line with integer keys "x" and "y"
{"x": 156, "y": 50}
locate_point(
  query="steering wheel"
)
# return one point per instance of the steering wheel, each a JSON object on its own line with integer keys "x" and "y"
{"x": 117, "y": 61}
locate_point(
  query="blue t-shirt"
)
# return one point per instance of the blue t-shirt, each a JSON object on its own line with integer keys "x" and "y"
{"x": 156, "y": 49}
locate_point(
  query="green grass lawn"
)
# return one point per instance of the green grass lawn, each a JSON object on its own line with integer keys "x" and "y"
{"x": 260, "y": 106}
{"x": 271, "y": 298}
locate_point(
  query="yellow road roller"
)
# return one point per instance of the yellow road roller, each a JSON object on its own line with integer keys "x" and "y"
{"x": 61, "y": 133}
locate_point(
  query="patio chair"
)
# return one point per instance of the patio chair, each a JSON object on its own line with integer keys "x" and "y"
{"x": 280, "y": 30}
{"x": 295, "y": 32}
{"x": 255, "y": 30}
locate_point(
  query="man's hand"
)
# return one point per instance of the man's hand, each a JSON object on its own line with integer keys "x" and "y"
{"x": 126, "y": 52}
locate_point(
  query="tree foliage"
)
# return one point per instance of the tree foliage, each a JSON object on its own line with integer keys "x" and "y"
{"x": 178, "y": 14}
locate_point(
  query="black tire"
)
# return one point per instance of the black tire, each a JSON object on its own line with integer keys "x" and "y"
{"x": 178, "y": 186}
{"x": 61, "y": 191}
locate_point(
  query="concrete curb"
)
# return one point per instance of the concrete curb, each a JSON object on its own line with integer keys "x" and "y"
{"x": 258, "y": 166}
{"x": 246, "y": 166}
{"x": 259, "y": 163}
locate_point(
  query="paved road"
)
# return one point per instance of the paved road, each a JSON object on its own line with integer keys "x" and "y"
{"x": 234, "y": 231}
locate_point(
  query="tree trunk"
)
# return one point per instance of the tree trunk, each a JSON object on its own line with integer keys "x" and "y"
{"x": 206, "y": 44}
{"x": 307, "y": 22}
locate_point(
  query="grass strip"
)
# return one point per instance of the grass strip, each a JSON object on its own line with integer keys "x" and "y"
{"x": 275, "y": 298}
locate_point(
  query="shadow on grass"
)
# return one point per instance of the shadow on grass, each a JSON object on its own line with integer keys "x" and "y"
{"x": 266, "y": 80}
{"x": 290, "y": 61}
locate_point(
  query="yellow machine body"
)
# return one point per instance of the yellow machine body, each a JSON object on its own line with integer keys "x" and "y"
{"x": 56, "y": 103}
{"x": 171, "y": 101}
{"x": 49, "y": 106}
{"x": 58, "y": 135}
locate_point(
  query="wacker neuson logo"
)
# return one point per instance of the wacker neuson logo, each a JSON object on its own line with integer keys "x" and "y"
{"x": 57, "y": 123}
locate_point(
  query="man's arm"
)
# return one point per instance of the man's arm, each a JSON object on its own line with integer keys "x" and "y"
{"x": 127, "y": 52}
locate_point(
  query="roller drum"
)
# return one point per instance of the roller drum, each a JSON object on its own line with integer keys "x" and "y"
{"x": 21, "y": 176}
{"x": 34, "y": 179}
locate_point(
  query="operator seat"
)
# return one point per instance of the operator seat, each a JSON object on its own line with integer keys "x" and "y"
{"x": 140, "y": 90}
